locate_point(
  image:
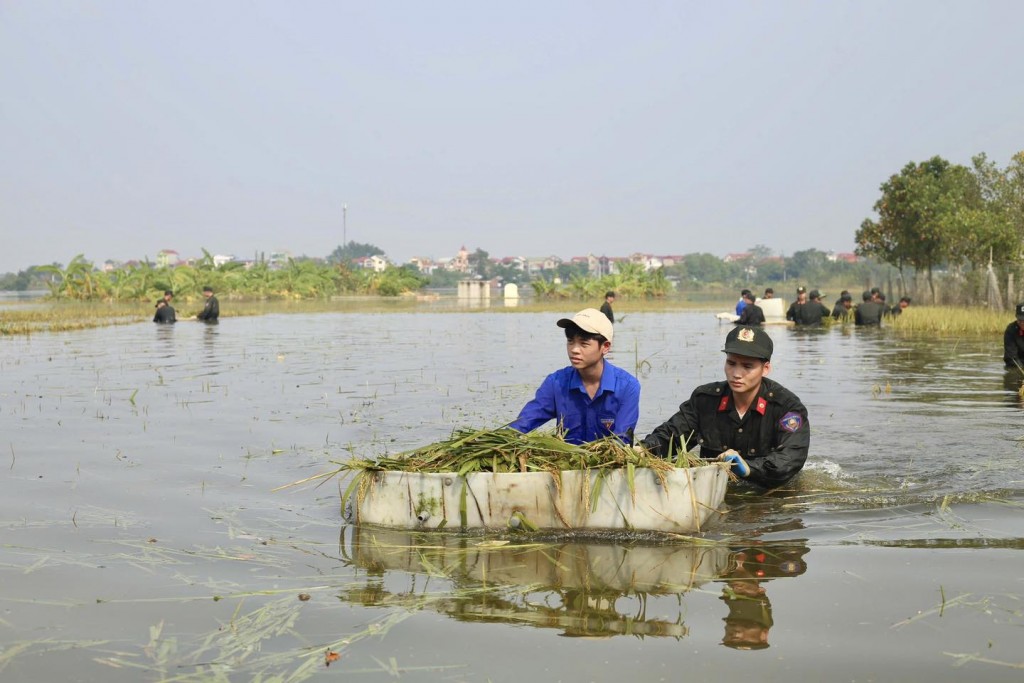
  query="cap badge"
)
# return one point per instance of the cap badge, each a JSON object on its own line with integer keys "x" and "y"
{"x": 746, "y": 334}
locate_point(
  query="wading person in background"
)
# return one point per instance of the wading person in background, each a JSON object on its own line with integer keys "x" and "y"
{"x": 814, "y": 310}
{"x": 742, "y": 303}
{"x": 211, "y": 309}
{"x": 749, "y": 420}
{"x": 900, "y": 305}
{"x": 164, "y": 312}
{"x": 1013, "y": 341}
{"x": 869, "y": 312}
{"x": 796, "y": 309}
{"x": 844, "y": 306}
{"x": 606, "y": 307}
{"x": 769, "y": 293}
{"x": 591, "y": 398}
{"x": 752, "y": 313}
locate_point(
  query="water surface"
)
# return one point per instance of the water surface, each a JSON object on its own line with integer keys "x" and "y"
{"x": 141, "y": 538}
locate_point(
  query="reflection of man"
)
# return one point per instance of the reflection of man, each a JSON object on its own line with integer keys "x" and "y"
{"x": 750, "y": 612}
{"x": 748, "y": 623}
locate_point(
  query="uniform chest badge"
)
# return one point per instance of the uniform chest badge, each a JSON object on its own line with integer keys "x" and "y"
{"x": 608, "y": 423}
{"x": 791, "y": 422}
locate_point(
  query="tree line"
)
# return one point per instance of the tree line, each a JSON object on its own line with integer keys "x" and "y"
{"x": 306, "y": 278}
{"x": 296, "y": 279}
{"x": 967, "y": 222}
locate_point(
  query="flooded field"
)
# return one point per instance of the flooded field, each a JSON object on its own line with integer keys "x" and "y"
{"x": 141, "y": 538}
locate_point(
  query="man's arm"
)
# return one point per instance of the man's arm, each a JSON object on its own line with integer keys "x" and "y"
{"x": 792, "y": 438}
{"x": 539, "y": 409}
{"x": 675, "y": 435}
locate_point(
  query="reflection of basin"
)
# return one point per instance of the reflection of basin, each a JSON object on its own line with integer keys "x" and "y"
{"x": 593, "y": 566}
{"x": 575, "y": 587}
{"x": 583, "y": 589}
{"x": 595, "y": 499}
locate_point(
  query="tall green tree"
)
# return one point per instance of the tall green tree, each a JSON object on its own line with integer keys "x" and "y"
{"x": 923, "y": 217}
{"x": 1002, "y": 194}
{"x": 480, "y": 264}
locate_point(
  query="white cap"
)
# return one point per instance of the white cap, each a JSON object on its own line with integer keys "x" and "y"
{"x": 590, "y": 320}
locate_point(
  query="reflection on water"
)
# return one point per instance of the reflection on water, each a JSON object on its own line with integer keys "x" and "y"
{"x": 581, "y": 588}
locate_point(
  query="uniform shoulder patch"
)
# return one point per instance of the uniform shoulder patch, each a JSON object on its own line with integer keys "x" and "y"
{"x": 791, "y": 422}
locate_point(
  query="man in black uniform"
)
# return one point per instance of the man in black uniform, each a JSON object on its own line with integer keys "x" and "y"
{"x": 796, "y": 309}
{"x": 749, "y": 420}
{"x": 814, "y": 311}
{"x": 211, "y": 309}
{"x": 844, "y": 306}
{"x": 606, "y": 307}
{"x": 752, "y": 313}
{"x": 164, "y": 312}
{"x": 869, "y": 312}
{"x": 1013, "y": 340}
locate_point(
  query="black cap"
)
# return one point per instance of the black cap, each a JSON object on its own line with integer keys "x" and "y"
{"x": 815, "y": 294}
{"x": 207, "y": 288}
{"x": 866, "y": 296}
{"x": 801, "y": 290}
{"x": 1020, "y": 311}
{"x": 846, "y": 297}
{"x": 749, "y": 341}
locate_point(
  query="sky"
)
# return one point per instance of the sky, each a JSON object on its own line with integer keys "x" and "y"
{"x": 528, "y": 128}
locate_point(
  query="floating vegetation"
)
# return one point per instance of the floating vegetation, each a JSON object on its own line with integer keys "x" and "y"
{"x": 579, "y": 474}
{"x": 506, "y": 450}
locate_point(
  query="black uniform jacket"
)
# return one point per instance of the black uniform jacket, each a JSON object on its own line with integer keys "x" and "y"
{"x": 211, "y": 310}
{"x": 165, "y": 314}
{"x": 773, "y": 437}
{"x": 1013, "y": 345}
{"x": 751, "y": 315}
{"x": 868, "y": 313}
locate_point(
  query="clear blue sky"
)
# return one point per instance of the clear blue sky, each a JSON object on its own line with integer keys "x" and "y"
{"x": 523, "y": 128}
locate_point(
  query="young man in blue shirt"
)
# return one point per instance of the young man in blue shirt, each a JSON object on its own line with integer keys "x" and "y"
{"x": 591, "y": 398}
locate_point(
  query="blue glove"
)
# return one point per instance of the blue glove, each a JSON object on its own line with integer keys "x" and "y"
{"x": 739, "y": 466}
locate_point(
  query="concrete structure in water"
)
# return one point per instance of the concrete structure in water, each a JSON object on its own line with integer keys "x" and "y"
{"x": 474, "y": 289}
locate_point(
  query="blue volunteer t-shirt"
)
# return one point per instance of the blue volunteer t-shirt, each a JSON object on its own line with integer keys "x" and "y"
{"x": 614, "y": 409}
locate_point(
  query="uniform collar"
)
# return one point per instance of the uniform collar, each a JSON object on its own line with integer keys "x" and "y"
{"x": 760, "y": 404}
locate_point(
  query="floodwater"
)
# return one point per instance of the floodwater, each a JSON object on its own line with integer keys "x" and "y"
{"x": 141, "y": 538}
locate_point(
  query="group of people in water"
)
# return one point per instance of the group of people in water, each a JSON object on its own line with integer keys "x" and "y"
{"x": 809, "y": 310}
{"x": 165, "y": 313}
{"x": 748, "y": 420}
